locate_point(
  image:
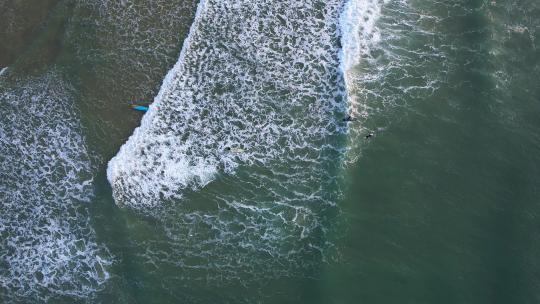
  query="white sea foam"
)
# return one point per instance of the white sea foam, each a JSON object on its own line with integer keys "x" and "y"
{"x": 215, "y": 97}
{"x": 358, "y": 31}
{"x": 262, "y": 76}
{"x": 174, "y": 175}
{"x": 3, "y": 71}
{"x": 48, "y": 248}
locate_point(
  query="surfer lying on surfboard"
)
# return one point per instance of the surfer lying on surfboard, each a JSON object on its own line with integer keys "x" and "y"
{"x": 234, "y": 150}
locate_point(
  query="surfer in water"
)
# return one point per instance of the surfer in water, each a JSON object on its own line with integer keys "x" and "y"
{"x": 370, "y": 135}
{"x": 349, "y": 118}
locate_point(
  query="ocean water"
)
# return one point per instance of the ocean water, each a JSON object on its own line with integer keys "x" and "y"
{"x": 242, "y": 183}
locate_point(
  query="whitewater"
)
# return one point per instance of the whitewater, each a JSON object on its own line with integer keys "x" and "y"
{"x": 259, "y": 76}
{"x": 48, "y": 248}
{"x": 267, "y": 79}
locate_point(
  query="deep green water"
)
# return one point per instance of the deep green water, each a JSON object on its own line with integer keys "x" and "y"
{"x": 440, "y": 206}
{"x": 443, "y": 204}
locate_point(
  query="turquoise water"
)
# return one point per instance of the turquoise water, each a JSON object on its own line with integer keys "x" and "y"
{"x": 439, "y": 206}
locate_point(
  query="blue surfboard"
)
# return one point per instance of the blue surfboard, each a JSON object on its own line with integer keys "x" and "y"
{"x": 140, "y": 108}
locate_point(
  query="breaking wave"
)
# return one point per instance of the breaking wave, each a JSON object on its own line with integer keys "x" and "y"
{"x": 233, "y": 91}
{"x": 259, "y": 77}
{"x": 240, "y": 156}
{"x": 248, "y": 121}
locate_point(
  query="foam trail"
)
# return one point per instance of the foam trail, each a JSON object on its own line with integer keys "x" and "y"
{"x": 48, "y": 249}
{"x": 3, "y": 70}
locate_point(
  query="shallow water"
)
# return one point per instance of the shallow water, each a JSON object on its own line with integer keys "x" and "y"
{"x": 438, "y": 206}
